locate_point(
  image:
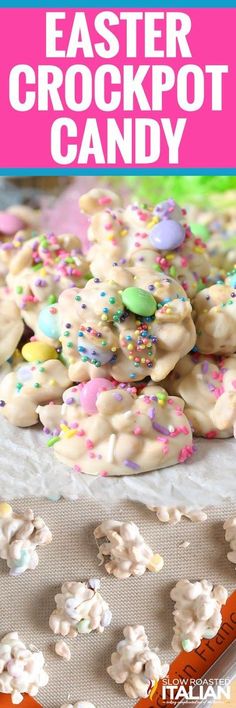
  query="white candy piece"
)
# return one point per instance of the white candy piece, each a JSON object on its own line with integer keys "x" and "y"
{"x": 61, "y": 649}
{"x": 230, "y": 536}
{"x": 20, "y": 534}
{"x": 197, "y": 612}
{"x": 79, "y": 704}
{"x": 173, "y": 514}
{"x": 80, "y": 609}
{"x": 21, "y": 670}
{"x": 134, "y": 664}
{"x": 127, "y": 551}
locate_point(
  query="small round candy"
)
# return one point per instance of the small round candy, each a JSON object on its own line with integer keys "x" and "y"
{"x": 38, "y": 351}
{"x": 9, "y": 223}
{"x": 90, "y": 391}
{"x": 139, "y": 301}
{"x": 48, "y": 322}
{"x": 167, "y": 235}
{"x": 5, "y": 510}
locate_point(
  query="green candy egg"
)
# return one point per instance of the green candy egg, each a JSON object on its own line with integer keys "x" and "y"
{"x": 139, "y": 301}
{"x": 83, "y": 627}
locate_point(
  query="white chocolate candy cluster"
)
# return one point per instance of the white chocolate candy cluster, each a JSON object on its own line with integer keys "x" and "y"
{"x": 38, "y": 272}
{"x": 29, "y": 385}
{"x": 127, "y": 552}
{"x": 21, "y": 670}
{"x": 197, "y": 612}
{"x": 124, "y": 433}
{"x": 215, "y": 319}
{"x": 134, "y": 664}
{"x": 174, "y": 514}
{"x": 103, "y": 332}
{"x": 79, "y": 704}
{"x": 80, "y": 609}
{"x": 141, "y": 236}
{"x": 20, "y": 534}
{"x": 208, "y": 387}
{"x": 230, "y": 536}
{"x": 11, "y": 327}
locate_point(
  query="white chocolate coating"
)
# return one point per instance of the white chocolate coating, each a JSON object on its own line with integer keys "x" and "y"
{"x": 122, "y": 235}
{"x": 197, "y": 612}
{"x": 129, "y": 434}
{"x": 62, "y": 649}
{"x": 21, "y": 670}
{"x": 11, "y": 327}
{"x": 20, "y": 534}
{"x": 215, "y": 319}
{"x": 80, "y": 610}
{"x": 41, "y": 268}
{"x": 174, "y": 514}
{"x": 100, "y": 337}
{"x": 30, "y": 384}
{"x": 230, "y": 536}
{"x": 127, "y": 552}
{"x": 208, "y": 387}
{"x": 134, "y": 664}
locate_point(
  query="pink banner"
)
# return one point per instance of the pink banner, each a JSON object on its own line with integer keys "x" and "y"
{"x": 118, "y": 88}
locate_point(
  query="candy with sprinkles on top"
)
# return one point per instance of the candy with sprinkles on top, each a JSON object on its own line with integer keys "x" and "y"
{"x": 27, "y": 386}
{"x": 39, "y": 271}
{"x": 126, "y": 333}
{"x": 207, "y": 385}
{"x": 128, "y": 433}
{"x": 214, "y": 311}
{"x": 157, "y": 238}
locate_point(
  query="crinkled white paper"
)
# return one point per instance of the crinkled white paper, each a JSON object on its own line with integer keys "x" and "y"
{"x": 29, "y": 468}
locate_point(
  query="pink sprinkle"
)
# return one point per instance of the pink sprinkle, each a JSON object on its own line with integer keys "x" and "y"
{"x": 89, "y": 444}
{"x": 81, "y": 433}
{"x": 234, "y": 383}
{"x": 103, "y": 473}
{"x": 186, "y": 452}
{"x": 77, "y": 468}
{"x": 104, "y": 200}
{"x": 211, "y": 434}
{"x": 138, "y": 431}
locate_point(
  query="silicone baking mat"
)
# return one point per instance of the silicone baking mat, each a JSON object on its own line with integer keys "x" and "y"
{"x": 26, "y": 602}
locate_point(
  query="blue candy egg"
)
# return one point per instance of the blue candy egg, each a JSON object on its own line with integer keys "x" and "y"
{"x": 231, "y": 279}
{"x": 167, "y": 235}
{"x": 48, "y": 322}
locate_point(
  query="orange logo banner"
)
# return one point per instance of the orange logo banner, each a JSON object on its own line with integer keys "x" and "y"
{"x": 28, "y": 702}
{"x": 194, "y": 664}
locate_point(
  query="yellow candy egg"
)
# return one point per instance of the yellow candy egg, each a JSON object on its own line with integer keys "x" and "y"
{"x": 38, "y": 351}
{"x": 156, "y": 563}
{"x": 5, "y": 510}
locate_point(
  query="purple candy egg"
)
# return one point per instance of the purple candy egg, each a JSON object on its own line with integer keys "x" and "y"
{"x": 167, "y": 235}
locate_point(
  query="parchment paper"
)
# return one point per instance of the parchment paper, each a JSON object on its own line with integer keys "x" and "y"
{"x": 29, "y": 467}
